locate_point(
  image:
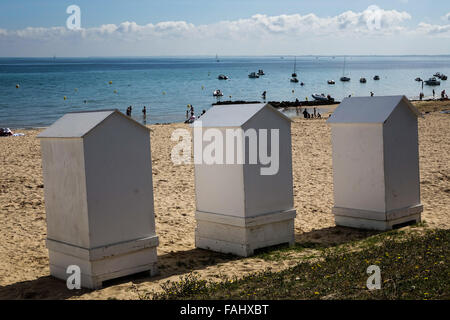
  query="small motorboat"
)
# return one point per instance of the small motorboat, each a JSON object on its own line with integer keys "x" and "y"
{"x": 253, "y": 75}
{"x": 222, "y": 77}
{"x": 331, "y": 82}
{"x": 322, "y": 97}
{"x": 432, "y": 82}
{"x": 294, "y": 80}
{"x": 418, "y": 79}
{"x": 362, "y": 80}
{"x": 345, "y": 79}
{"x": 217, "y": 93}
{"x": 376, "y": 78}
{"x": 261, "y": 72}
{"x": 437, "y": 75}
{"x": 302, "y": 84}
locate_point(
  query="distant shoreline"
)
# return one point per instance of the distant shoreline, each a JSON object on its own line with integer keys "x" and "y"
{"x": 424, "y": 106}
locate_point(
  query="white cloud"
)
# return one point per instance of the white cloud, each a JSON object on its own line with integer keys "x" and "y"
{"x": 434, "y": 29}
{"x": 353, "y": 22}
{"x": 351, "y": 31}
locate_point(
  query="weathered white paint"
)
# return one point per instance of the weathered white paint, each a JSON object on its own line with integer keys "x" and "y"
{"x": 229, "y": 196}
{"x": 99, "y": 196}
{"x": 375, "y": 162}
{"x": 358, "y": 165}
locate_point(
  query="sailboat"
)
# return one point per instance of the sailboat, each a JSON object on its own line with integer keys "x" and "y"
{"x": 294, "y": 75}
{"x": 344, "y": 78}
{"x": 295, "y": 66}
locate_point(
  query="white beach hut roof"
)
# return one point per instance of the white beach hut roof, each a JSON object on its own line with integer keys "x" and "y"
{"x": 368, "y": 109}
{"x": 78, "y": 124}
{"x": 234, "y": 115}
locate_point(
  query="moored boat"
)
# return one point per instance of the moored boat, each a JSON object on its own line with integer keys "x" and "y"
{"x": 322, "y": 97}
{"x": 432, "y": 82}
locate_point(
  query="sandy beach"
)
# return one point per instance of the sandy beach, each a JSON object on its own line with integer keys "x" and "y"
{"x": 24, "y": 271}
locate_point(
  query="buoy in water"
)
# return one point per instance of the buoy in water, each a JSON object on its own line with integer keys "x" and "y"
{"x": 17, "y": 86}
{"x": 110, "y": 82}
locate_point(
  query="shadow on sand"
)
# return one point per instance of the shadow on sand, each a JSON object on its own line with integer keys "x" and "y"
{"x": 175, "y": 263}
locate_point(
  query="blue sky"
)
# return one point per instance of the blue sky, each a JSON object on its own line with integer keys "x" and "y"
{"x": 405, "y": 24}
{"x": 16, "y": 14}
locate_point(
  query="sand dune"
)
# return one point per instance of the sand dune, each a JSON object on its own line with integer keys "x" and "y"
{"x": 24, "y": 271}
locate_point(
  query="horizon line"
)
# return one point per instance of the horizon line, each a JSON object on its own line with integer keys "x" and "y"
{"x": 230, "y": 56}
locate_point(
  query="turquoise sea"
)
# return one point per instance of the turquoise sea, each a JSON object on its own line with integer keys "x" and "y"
{"x": 34, "y": 92}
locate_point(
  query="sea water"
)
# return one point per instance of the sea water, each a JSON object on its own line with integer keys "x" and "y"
{"x": 34, "y": 92}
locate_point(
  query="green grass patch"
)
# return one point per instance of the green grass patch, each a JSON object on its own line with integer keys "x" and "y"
{"x": 414, "y": 265}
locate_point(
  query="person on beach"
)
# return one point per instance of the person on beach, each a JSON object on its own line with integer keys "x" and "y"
{"x": 371, "y": 93}
{"x": 433, "y": 93}
{"x": 192, "y": 118}
{"x": 305, "y": 114}
{"x": 314, "y": 112}
{"x": 144, "y": 112}
{"x": 5, "y": 132}
{"x": 264, "y": 95}
{"x": 421, "y": 96}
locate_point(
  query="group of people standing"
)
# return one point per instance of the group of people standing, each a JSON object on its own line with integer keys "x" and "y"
{"x": 308, "y": 115}
{"x": 130, "y": 110}
{"x": 190, "y": 116}
{"x": 443, "y": 95}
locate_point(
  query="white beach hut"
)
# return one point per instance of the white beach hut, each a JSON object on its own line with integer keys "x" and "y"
{"x": 99, "y": 196}
{"x": 375, "y": 162}
{"x": 244, "y": 200}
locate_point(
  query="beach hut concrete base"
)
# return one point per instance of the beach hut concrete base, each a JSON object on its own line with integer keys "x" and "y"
{"x": 373, "y": 220}
{"x": 104, "y": 263}
{"x": 242, "y": 236}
